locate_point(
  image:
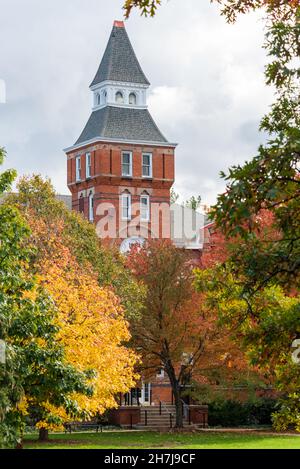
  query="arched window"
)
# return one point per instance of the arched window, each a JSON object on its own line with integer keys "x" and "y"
{"x": 104, "y": 97}
{"x": 98, "y": 99}
{"x": 145, "y": 207}
{"x": 91, "y": 206}
{"x": 132, "y": 98}
{"x": 126, "y": 205}
{"x": 119, "y": 97}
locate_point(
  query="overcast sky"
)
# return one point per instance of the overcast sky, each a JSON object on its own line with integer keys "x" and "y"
{"x": 207, "y": 85}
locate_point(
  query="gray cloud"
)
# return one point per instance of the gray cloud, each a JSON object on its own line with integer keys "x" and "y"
{"x": 207, "y": 80}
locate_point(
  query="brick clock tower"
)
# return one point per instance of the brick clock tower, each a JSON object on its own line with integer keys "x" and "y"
{"x": 121, "y": 168}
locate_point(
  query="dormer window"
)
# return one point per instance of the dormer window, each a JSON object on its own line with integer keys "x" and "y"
{"x": 98, "y": 99}
{"x": 104, "y": 97}
{"x": 119, "y": 97}
{"x": 132, "y": 99}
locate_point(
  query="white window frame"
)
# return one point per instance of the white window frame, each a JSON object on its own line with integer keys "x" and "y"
{"x": 146, "y": 197}
{"x": 91, "y": 206}
{"x": 160, "y": 373}
{"x": 126, "y": 197}
{"x": 132, "y": 93}
{"x": 119, "y": 92}
{"x": 104, "y": 97}
{"x": 78, "y": 168}
{"x": 130, "y": 163}
{"x": 88, "y": 165}
{"x": 150, "y": 165}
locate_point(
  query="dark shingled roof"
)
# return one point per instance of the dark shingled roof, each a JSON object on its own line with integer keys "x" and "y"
{"x": 119, "y": 62}
{"x": 121, "y": 123}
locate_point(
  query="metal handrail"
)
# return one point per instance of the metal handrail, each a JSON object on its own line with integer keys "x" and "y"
{"x": 171, "y": 415}
{"x": 185, "y": 408}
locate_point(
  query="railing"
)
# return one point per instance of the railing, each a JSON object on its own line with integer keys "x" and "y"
{"x": 163, "y": 405}
{"x": 185, "y": 411}
{"x": 204, "y": 417}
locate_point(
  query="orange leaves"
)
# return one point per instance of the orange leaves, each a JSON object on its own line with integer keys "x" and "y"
{"x": 93, "y": 330}
{"x": 92, "y": 326}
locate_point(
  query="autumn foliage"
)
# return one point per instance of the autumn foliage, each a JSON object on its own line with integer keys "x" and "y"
{"x": 90, "y": 320}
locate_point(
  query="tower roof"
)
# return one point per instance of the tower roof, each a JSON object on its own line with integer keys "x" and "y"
{"x": 123, "y": 124}
{"x": 119, "y": 62}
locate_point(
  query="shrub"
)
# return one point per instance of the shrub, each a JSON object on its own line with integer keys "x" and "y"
{"x": 230, "y": 413}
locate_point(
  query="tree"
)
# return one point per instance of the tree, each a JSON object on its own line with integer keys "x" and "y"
{"x": 230, "y": 8}
{"x": 147, "y": 7}
{"x": 173, "y": 196}
{"x": 265, "y": 321}
{"x": 36, "y": 199}
{"x": 271, "y": 179}
{"x": 193, "y": 202}
{"x": 35, "y": 365}
{"x": 91, "y": 325}
{"x": 176, "y": 331}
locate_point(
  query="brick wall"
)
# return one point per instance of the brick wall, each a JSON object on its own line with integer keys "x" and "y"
{"x": 107, "y": 184}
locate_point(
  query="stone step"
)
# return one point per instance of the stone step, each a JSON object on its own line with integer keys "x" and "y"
{"x": 164, "y": 428}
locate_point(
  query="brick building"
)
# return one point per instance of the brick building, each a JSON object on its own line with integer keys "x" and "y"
{"x": 120, "y": 172}
{"x": 121, "y": 168}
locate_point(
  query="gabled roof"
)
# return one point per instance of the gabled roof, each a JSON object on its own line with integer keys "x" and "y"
{"x": 119, "y": 62}
{"x": 115, "y": 123}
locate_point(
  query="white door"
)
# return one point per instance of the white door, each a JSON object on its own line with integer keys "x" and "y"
{"x": 145, "y": 394}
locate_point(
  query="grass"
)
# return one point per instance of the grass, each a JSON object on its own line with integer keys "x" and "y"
{"x": 152, "y": 440}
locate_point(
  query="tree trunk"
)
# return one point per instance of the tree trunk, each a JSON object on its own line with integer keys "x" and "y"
{"x": 178, "y": 405}
{"x": 177, "y": 395}
{"x": 43, "y": 434}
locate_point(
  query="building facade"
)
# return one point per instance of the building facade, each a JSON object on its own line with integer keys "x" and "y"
{"x": 121, "y": 168}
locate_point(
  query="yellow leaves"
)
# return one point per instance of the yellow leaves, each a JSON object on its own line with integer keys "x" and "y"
{"x": 22, "y": 406}
{"x": 93, "y": 331}
{"x": 91, "y": 323}
{"x": 51, "y": 426}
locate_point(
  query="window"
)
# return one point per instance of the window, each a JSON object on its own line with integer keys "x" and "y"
{"x": 98, "y": 99}
{"x": 119, "y": 97}
{"x": 88, "y": 165}
{"x": 126, "y": 163}
{"x": 132, "y": 98}
{"x": 160, "y": 373}
{"x": 145, "y": 208}
{"x": 81, "y": 204}
{"x": 91, "y": 207}
{"x": 126, "y": 206}
{"x": 78, "y": 168}
{"x": 147, "y": 165}
{"x": 104, "y": 97}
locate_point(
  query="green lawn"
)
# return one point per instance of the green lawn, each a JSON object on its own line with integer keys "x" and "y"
{"x": 152, "y": 440}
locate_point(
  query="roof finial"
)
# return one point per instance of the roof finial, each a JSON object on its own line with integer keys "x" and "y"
{"x": 119, "y": 24}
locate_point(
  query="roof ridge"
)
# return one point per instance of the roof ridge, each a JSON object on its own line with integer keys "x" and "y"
{"x": 105, "y": 120}
{"x": 119, "y": 61}
{"x": 132, "y": 49}
{"x": 156, "y": 126}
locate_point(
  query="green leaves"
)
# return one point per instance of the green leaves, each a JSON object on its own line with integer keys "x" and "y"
{"x": 35, "y": 365}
